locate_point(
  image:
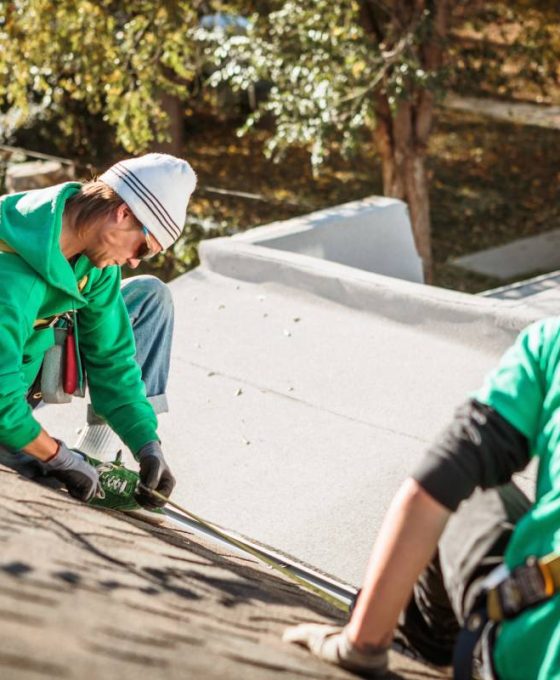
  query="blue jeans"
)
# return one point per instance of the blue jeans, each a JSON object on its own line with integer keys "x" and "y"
{"x": 150, "y": 309}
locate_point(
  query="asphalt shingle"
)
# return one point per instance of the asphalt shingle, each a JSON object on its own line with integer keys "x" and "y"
{"x": 91, "y": 594}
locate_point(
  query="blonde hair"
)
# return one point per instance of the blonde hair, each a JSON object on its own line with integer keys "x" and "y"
{"x": 94, "y": 201}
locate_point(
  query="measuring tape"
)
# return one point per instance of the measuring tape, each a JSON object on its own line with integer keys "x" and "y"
{"x": 245, "y": 547}
{"x": 117, "y": 491}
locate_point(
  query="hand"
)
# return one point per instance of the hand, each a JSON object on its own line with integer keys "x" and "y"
{"x": 331, "y": 644}
{"x": 154, "y": 474}
{"x": 70, "y": 468}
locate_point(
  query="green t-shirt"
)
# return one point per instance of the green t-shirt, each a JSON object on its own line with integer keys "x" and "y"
{"x": 525, "y": 390}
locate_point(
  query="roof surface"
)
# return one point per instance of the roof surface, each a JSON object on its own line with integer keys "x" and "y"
{"x": 87, "y": 594}
{"x": 294, "y": 418}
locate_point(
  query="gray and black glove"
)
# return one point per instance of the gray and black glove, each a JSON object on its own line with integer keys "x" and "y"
{"x": 331, "y": 644}
{"x": 154, "y": 475}
{"x": 71, "y": 468}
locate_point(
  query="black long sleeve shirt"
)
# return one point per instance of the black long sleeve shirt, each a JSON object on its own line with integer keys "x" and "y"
{"x": 480, "y": 448}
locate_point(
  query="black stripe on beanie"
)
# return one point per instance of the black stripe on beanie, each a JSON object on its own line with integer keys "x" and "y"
{"x": 146, "y": 201}
{"x": 164, "y": 212}
{"x": 149, "y": 200}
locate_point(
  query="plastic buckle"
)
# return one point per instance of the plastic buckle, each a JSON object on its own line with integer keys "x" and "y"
{"x": 528, "y": 585}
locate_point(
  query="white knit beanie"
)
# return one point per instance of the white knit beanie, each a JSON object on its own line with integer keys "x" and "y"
{"x": 157, "y": 188}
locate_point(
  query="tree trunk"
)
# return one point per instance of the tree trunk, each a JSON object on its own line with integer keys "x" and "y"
{"x": 404, "y": 172}
{"x": 401, "y": 136}
{"x": 173, "y": 107}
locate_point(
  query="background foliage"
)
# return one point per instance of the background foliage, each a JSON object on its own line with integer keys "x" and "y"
{"x": 62, "y": 60}
{"x": 86, "y": 79}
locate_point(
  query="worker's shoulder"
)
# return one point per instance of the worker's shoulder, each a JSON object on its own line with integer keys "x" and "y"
{"x": 98, "y": 284}
{"x": 541, "y": 341}
{"x": 541, "y": 332}
{"x": 18, "y": 277}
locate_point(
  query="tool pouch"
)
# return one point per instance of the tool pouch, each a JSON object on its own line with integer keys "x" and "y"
{"x": 61, "y": 377}
{"x": 52, "y": 376}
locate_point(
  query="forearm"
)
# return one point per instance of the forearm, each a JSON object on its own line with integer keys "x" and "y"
{"x": 42, "y": 447}
{"x": 406, "y": 543}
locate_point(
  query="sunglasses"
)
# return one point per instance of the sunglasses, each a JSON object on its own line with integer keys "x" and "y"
{"x": 147, "y": 249}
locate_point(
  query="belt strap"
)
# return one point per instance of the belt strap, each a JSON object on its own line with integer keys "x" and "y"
{"x": 528, "y": 585}
{"x": 39, "y": 324}
{"x": 467, "y": 640}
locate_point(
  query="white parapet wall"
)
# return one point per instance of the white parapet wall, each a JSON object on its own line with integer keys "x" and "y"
{"x": 372, "y": 235}
{"x": 360, "y": 255}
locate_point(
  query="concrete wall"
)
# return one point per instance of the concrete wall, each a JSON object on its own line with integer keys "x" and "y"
{"x": 373, "y": 235}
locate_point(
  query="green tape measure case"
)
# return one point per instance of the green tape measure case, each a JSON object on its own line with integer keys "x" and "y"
{"x": 117, "y": 486}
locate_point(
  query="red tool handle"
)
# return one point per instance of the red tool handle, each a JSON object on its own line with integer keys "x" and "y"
{"x": 70, "y": 363}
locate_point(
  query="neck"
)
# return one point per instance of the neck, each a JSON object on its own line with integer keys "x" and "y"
{"x": 71, "y": 243}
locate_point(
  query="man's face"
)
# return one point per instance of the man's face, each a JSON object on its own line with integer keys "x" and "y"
{"x": 120, "y": 240}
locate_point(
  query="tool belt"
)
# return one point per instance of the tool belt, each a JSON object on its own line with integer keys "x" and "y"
{"x": 528, "y": 585}
{"x": 502, "y": 599}
{"x": 61, "y": 374}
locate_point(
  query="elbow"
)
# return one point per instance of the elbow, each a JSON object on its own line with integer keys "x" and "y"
{"x": 415, "y": 495}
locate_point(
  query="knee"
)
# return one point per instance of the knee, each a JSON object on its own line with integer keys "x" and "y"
{"x": 151, "y": 293}
{"x": 157, "y": 291}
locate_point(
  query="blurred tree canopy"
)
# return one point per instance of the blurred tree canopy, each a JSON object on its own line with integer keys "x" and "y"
{"x": 338, "y": 70}
{"x": 333, "y": 72}
{"x": 66, "y": 58}
{"x": 505, "y": 49}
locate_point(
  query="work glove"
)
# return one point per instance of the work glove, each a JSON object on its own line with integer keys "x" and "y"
{"x": 331, "y": 644}
{"x": 71, "y": 468}
{"x": 154, "y": 474}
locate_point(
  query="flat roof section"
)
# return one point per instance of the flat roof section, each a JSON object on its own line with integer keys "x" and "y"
{"x": 541, "y": 293}
{"x": 295, "y": 418}
{"x": 522, "y": 257}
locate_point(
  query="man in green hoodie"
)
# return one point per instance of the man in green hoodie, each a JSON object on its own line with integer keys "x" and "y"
{"x": 61, "y": 250}
{"x": 464, "y": 573}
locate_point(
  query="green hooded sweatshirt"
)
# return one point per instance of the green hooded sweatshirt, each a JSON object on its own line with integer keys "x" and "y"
{"x": 525, "y": 390}
{"x": 37, "y": 282}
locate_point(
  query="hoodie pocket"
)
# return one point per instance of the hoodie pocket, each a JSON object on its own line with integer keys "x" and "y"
{"x": 33, "y": 353}
{"x": 36, "y": 346}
